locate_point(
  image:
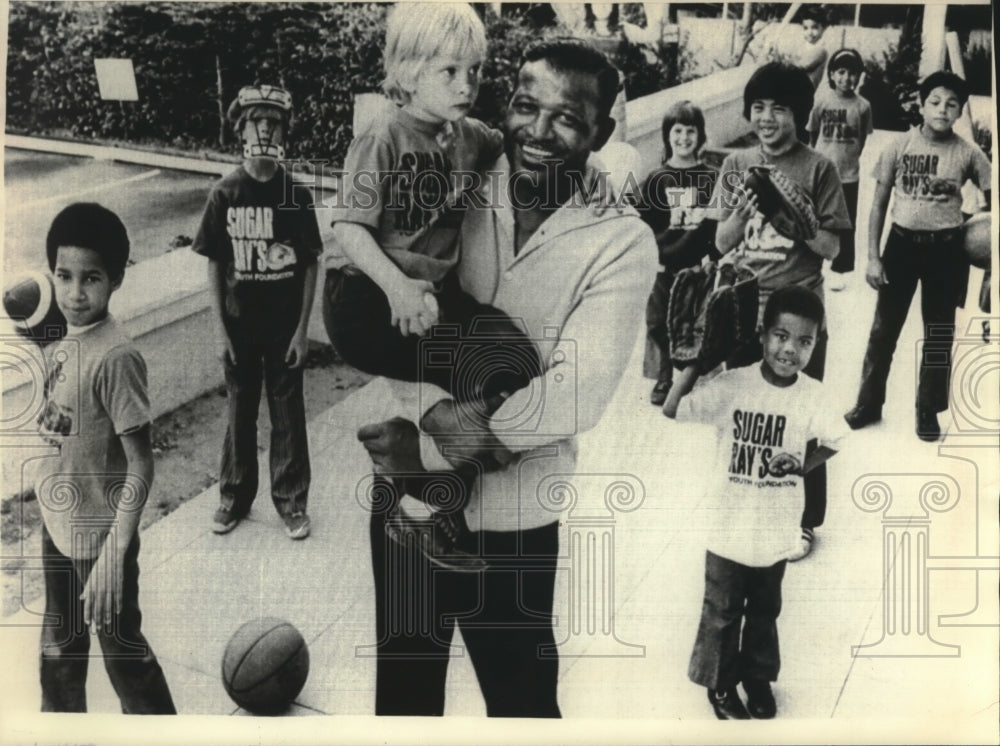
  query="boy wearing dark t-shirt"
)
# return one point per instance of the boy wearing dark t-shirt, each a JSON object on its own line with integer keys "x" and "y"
{"x": 260, "y": 235}
{"x": 924, "y": 170}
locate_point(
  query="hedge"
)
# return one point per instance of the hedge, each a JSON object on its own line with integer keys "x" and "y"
{"x": 191, "y": 58}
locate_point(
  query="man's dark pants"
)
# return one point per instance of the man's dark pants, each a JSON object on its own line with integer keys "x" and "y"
{"x": 738, "y": 633}
{"x": 65, "y": 650}
{"x": 934, "y": 260}
{"x": 262, "y": 364}
{"x": 504, "y": 612}
{"x": 813, "y": 483}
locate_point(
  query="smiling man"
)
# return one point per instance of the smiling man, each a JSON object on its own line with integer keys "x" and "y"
{"x": 551, "y": 249}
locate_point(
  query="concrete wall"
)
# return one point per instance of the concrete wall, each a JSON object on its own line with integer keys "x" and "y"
{"x": 708, "y": 44}
{"x": 719, "y": 95}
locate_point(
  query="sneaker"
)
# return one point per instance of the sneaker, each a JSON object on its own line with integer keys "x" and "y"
{"x": 226, "y": 518}
{"x": 659, "y": 393}
{"x": 441, "y": 538}
{"x": 297, "y": 525}
{"x": 863, "y": 415}
{"x": 727, "y": 704}
{"x": 927, "y": 425}
{"x": 760, "y": 699}
{"x": 806, "y": 545}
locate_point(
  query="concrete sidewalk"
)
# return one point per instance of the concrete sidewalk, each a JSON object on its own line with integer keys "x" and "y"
{"x": 626, "y": 649}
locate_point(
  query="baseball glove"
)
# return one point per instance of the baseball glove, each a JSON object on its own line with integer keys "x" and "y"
{"x": 712, "y": 311}
{"x": 783, "y": 203}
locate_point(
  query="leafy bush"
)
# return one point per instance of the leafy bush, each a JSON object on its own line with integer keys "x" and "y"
{"x": 191, "y": 58}
{"x": 508, "y": 35}
{"x": 982, "y": 134}
{"x": 891, "y": 83}
{"x": 978, "y": 64}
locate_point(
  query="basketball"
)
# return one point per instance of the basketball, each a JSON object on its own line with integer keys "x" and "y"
{"x": 977, "y": 238}
{"x": 30, "y": 300}
{"x": 265, "y": 665}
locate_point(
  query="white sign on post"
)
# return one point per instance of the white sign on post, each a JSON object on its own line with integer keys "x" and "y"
{"x": 116, "y": 80}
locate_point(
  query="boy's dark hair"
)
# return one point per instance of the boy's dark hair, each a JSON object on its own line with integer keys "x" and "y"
{"x": 89, "y": 225}
{"x": 944, "y": 79}
{"x": 682, "y": 112}
{"x": 814, "y": 13}
{"x": 796, "y": 300}
{"x": 846, "y": 58}
{"x": 783, "y": 83}
{"x": 568, "y": 54}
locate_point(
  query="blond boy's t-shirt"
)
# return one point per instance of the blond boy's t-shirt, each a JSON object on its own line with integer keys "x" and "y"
{"x": 406, "y": 180}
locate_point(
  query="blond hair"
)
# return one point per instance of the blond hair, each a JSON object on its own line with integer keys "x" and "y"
{"x": 418, "y": 32}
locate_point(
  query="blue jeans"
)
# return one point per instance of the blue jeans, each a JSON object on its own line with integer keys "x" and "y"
{"x": 65, "y": 651}
{"x": 738, "y": 633}
{"x": 262, "y": 364}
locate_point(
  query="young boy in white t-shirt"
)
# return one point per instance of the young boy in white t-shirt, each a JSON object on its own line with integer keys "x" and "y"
{"x": 765, "y": 415}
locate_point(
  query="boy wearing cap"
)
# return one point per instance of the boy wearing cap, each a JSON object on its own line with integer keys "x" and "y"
{"x": 839, "y": 124}
{"x": 260, "y": 235}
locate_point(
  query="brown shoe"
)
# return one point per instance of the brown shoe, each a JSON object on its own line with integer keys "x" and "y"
{"x": 444, "y": 538}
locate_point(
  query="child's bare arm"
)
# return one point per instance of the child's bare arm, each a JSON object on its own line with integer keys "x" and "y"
{"x": 406, "y": 296}
{"x": 297, "y": 348}
{"x": 217, "y": 292}
{"x": 681, "y": 387}
{"x": 826, "y": 244}
{"x": 730, "y": 231}
{"x": 875, "y": 274}
{"x": 102, "y": 594}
